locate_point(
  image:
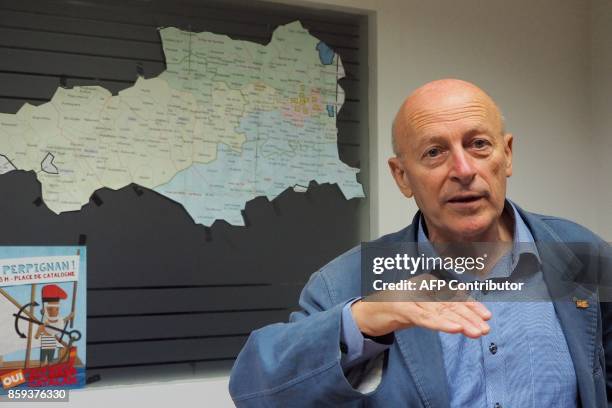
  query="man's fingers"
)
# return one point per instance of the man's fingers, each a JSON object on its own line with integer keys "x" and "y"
{"x": 445, "y": 325}
{"x": 433, "y": 321}
{"x": 450, "y": 317}
{"x": 474, "y": 318}
{"x": 479, "y": 308}
{"x": 469, "y": 329}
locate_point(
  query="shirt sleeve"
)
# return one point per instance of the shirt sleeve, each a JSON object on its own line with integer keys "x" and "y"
{"x": 355, "y": 347}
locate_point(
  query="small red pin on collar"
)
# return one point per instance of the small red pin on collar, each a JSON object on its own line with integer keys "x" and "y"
{"x": 581, "y": 303}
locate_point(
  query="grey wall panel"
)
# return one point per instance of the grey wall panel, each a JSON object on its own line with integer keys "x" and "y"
{"x": 114, "y": 330}
{"x": 184, "y": 298}
{"x": 126, "y": 354}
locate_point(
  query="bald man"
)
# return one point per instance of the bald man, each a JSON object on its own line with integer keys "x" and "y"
{"x": 453, "y": 156}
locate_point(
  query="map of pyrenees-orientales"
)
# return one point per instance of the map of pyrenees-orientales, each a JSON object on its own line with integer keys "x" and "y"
{"x": 227, "y": 121}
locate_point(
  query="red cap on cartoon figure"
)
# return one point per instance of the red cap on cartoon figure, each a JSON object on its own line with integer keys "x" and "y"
{"x": 53, "y": 293}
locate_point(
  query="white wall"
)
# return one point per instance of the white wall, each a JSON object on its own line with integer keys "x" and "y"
{"x": 601, "y": 86}
{"x": 537, "y": 59}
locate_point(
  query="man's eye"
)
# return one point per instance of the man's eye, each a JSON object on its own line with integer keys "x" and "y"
{"x": 480, "y": 143}
{"x": 433, "y": 152}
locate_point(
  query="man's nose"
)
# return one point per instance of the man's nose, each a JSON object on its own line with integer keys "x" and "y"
{"x": 463, "y": 170}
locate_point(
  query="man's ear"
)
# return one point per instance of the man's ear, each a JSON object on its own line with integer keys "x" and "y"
{"x": 508, "y": 153}
{"x": 399, "y": 175}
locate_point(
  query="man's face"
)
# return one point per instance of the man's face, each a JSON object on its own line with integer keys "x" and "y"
{"x": 52, "y": 309}
{"x": 455, "y": 160}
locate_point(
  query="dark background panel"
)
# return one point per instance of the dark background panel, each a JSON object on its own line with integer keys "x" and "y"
{"x": 146, "y": 300}
{"x": 147, "y": 352}
{"x": 167, "y": 297}
{"x": 176, "y": 326}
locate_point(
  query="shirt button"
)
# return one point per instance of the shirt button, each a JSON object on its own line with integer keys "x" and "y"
{"x": 493, "y": 350}
{"x": 497, "y": 405}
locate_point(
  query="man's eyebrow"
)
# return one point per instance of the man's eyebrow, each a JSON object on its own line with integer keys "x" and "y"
{"x": 440, "y": 139}
{"x": 431, "y": 139}
{"x": 478, "y": 130}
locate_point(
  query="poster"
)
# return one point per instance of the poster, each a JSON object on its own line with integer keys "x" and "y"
{"x": 42, "y": 317}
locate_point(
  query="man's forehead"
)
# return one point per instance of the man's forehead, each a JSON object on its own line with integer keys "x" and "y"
{"x": 449, "y": 102}
{"x": 456, "y": 113}
{"x": 448, "y": 89}
{"x": 444, "y": 102}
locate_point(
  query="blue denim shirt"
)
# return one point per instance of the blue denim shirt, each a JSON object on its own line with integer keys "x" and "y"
{"x": 524, "y": 361}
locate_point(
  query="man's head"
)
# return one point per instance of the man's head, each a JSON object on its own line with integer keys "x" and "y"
{"x": 51, "y": 295}
{"x": 453, "y": 156}
{"x": 52, "y": 309}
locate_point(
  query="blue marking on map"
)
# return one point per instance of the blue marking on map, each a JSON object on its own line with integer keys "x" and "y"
{"x": 268, "y": 163}
{"x": 326, "y": 54}
{"x": 331, "y": 111}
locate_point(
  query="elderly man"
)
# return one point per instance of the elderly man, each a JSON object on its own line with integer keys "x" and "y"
{"x": 453, "y": 156}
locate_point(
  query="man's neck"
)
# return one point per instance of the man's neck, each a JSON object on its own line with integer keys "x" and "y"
{"x": 500, "y": 235}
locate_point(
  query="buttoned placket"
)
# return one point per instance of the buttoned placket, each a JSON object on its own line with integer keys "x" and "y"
{"x": 493, "y": 355}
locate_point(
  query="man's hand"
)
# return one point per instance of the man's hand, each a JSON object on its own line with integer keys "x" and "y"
{"x": 441, "y": 310}
{"x": 379, "y": 318}
{"x": 42, "y": 329}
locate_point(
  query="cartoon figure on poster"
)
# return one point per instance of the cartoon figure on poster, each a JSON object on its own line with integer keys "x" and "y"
{"x": 48, "y": 332}
{"x": 42, "y": 317}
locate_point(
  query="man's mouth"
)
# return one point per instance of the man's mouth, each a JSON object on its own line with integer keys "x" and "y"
{"x": 465, "y": 198}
